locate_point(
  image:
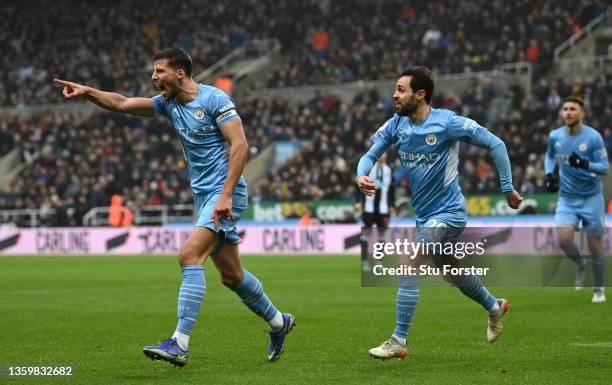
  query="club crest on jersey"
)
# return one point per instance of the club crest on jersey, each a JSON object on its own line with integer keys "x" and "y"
{"x": 431, "y": 139}
{"x": 198, "y": 113}
{"x": 582, "y": 146}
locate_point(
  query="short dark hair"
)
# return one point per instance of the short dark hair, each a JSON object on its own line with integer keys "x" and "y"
{"x": 422, "y": 79}
{"x": 177, "y": 58}
{"x": 574, "y": 99}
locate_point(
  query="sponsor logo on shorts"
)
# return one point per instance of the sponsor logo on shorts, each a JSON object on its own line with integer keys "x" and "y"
{"x": 435, "y": 223}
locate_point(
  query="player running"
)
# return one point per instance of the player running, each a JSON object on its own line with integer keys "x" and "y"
{"x": 427, "y": 140}
{"x": 205, "y": 119}
{"x": 582, "y": 158}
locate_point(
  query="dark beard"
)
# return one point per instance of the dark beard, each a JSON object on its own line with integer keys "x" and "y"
{"x": 406, "y": 109}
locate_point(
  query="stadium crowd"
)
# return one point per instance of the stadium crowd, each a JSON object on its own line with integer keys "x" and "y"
{"x": 78, "y": 164}
{"x": 141, "y": 159}
{"x": 83, "y": 164}
{"x": 364, "y": 40}
{"x": 111, "y": 44}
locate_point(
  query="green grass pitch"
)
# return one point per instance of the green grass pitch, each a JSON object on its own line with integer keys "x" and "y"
{"x": 96, "y": 313}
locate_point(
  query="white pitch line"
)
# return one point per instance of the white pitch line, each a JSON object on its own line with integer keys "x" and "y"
{"x": 594, "y": 345}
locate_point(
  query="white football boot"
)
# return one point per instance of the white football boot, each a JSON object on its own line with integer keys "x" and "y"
{"x": 495, "y": 325}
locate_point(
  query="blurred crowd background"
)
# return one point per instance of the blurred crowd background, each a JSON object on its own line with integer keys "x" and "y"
{"x": 76, "y": 162}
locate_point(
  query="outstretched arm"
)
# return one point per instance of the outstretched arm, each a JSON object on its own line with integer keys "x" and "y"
{"x": 500, "y": 155}
{"x": 467, "y": 130}
{"x": 108, "y": 100}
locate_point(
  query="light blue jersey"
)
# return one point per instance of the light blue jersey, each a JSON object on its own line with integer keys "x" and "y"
{"x": 197, "y": 126}
{"x": 588, "y": 143}
{"x": 430, "y": 152}
{"x": 580, "y": 191}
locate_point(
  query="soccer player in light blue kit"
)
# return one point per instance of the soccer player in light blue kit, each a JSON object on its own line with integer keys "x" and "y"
{"x": 427, "y": 140}
{"x": 205, "y": 119}
{"x": 582, "y": 158}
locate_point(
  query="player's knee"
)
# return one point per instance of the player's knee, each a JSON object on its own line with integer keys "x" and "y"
{"x": 565, "y": 241}
{"x": 232, "y": 279}
{"x": 187, "y": 255}
{"x": 595, "y": 246}
{"x": 596, "y": 250}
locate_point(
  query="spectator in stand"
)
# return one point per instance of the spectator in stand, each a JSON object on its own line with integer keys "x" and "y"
{"x": 225, "y": 84}
{"x": 307, "y": 220}
{"x": 119, "y": 215}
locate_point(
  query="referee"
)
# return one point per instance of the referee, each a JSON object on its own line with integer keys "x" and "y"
{"x": 377, "y": 209}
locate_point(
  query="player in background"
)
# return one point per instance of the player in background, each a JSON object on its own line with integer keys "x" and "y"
{"x": 205, "y": 119}
{"x": 581, "y": 154}
{"x": 377, "y": 208}
{"x": 427, "y": 140}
